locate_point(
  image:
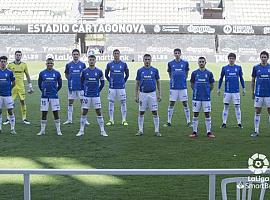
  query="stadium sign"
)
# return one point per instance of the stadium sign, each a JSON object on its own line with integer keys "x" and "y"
{"x": 130, "y": 28}
{"x": 86, "y": 28}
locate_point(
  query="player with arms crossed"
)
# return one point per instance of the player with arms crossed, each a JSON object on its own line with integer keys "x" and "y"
{"x": 178, "y": 72}
{"x": 147, "y": 81}
{"x": 260, "y": 93}
{"x": 93, "y": 81}
{"x": 7, "y": 82}
{"x": 232, "y": 73}
{"x": 202, "y": 83}
{"x": 20, "y": 69}
{"x": 117, "y": 74}
{"x": 73, "y": 72}
{"x": 49, "y": 83}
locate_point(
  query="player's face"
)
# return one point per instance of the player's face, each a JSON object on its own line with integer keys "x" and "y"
{"x": 177, "y": 55}
{"x": 3, "y": 63}
{"x": 18, "y": 56}
{"x": 147, "y": 61}
{"x": 264, "y": 59}
{"x": 116, "y": 55}
{"x": 231, "y": 60}
{"x": 91, "y": 61}
{"x": 49, "y": 64}
{"x": 75, "y": 55}
{"x": 201, "y": 63}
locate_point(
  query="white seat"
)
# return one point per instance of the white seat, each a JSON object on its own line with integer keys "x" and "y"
{"x": 241, "y": 184}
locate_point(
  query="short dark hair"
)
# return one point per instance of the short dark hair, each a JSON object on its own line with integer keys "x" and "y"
{"x": 116, "y": 50}
{"x": 232, "y": 55}
{"x": 18, "y": 51}
{"x": 146, "y": 55}
{"x": 264, "y": 53}
{"x": 75, "y": 50}
{"x": 3, "y": 58}
{"x": 92, "y": 56}
{"x": 202, "y": 58}
{"x": 49, "y": 59}
{"x": 177, "y": 49}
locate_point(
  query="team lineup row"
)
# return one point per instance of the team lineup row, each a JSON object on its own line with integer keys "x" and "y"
{"x": 86, "y": 83}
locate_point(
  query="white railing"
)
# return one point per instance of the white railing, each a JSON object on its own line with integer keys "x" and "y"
{"x": 210, "y": 172}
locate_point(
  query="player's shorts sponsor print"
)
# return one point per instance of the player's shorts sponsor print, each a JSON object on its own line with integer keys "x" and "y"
{"x": 91, "y": 102}
{"x": 6, "y": 102}
{"x": 205, "y": 105}
{"x": 75, "y": 94}
{"x": 234, "y": 97}
{"x": 46, "y": 103}
{"x": 117, "y": 94}
{"x": 262, "y": 101}
{"x": 178, "y": 95}
{"x": 148, "y": 101}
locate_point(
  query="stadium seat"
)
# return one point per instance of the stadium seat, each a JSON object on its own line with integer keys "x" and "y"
{"x": 241, "y": 184}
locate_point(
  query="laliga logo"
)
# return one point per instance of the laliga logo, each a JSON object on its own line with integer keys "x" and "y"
{"x": 258, "y": 163}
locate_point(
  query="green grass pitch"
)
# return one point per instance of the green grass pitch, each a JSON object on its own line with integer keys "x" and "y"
{"x": 122, "y": 149}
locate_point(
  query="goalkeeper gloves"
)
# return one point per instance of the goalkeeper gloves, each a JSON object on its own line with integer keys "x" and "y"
{"x": 30, "y": 88}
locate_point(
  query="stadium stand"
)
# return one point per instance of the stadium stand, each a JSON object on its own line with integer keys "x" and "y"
{"x": 40, "y": 11}
{"x": 185, "y": 12}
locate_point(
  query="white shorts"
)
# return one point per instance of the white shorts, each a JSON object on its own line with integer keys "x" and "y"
{"x": 180, "y": 95}
{"x": 46, "y": 102}
{"x": 76, "y": 94}
{"x": 118, "y": 94}
{"x": 197, "y": 105}
{"x": 262, "y": 101}
{"x": 6, "y": 102}
{"x": 234, "y": 97}
{"x": 89, "y": 102}
{"x": 148, "y": 101}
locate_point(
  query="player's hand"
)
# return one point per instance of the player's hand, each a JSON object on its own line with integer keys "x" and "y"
{"x": 244, "y": 91}
{"x": 218, "y": 92}
{"x": 30, "y": 88}
{"x": 137, "y": 99}
{"x": 159, "y": 98}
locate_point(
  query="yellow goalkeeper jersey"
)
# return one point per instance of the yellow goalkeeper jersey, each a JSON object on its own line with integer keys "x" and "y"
{"x": 18, "y": 69}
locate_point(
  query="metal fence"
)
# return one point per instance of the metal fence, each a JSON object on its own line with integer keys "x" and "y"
{"x": 212, "y": 173}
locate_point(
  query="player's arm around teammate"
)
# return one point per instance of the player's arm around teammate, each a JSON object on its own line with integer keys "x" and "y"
{"x": 147, "y": 82}
{"x": 49, "y": 83}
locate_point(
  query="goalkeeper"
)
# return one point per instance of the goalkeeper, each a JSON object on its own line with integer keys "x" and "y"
{"x": 19, "y": 68}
